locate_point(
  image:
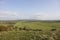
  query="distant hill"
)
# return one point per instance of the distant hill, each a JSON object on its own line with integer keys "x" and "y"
{"x": 14, "y": 21}
{"x": 8, "y": 21}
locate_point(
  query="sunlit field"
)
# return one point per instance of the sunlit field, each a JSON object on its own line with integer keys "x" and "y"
{"x": 30, "y": 30}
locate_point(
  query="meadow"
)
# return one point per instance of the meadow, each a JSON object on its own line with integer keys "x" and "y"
{"x": 30, "y": 30}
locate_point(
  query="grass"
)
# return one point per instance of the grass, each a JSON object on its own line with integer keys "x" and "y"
{"x": 45, "y": 34}
{"x": 29, "y": 35}
{"x": 39, "y": 25}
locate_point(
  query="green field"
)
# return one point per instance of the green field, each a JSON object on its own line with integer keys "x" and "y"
{"x": 38, "y": 25}
{"x": 30, "y": 30}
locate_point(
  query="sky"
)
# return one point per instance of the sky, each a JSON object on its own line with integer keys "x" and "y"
{"x": 30, "y": 9}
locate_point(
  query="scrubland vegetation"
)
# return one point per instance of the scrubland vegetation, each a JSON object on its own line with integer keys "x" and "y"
{"x": 30, "y": 30}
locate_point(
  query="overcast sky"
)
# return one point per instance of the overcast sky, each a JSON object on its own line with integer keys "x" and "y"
{"x": 30, "y": 9}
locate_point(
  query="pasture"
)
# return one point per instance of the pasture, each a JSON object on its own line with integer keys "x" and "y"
{"x": 38, "y": 25}
{"x": 30, "y": 30}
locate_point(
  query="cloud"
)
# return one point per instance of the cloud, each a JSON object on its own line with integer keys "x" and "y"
{"x": 46, "y": 16}
{"x": 8, "y": 15}
{"x": 11, "y": 15}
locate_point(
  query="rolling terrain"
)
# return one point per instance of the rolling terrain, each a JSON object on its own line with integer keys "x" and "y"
{"x": 29, "y": 30}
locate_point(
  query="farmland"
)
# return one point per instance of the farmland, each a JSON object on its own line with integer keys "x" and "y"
{"x": 30, "y": 30}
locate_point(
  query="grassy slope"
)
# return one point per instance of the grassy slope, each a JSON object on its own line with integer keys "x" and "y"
{"x": 38, "y": 25}
{"x": 32, "y": 35}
